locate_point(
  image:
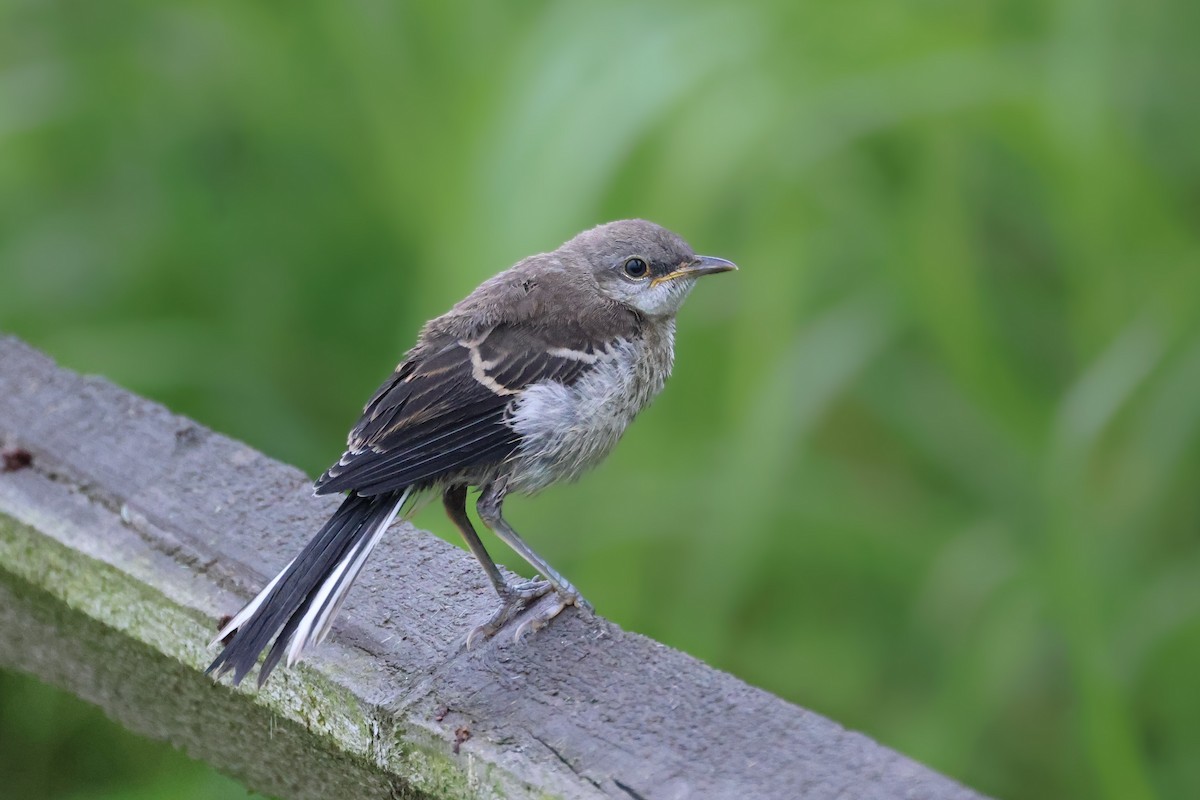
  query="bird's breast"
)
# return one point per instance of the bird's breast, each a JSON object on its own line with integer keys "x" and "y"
{"x": 565, "y": 430}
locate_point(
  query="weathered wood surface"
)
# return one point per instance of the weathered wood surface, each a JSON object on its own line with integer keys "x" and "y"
{"x": 134, "y": 529}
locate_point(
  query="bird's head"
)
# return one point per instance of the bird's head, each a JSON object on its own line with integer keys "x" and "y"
{"x": 643, "y": 265}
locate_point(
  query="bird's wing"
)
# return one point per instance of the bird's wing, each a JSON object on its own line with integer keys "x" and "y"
{"x": 443, "y": 409}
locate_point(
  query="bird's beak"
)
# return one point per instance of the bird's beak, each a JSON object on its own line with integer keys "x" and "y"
{"x": 700, "y": 265}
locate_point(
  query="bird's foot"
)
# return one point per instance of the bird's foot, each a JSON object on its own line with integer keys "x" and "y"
{"x": 541, "y": 616}
{"x": 517, "y": 597}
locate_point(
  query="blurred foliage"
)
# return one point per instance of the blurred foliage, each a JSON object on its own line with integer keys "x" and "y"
{"x": 928, "y": 464}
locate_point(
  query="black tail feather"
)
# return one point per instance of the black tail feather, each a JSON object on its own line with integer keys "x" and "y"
{"x": 282, "y": 610}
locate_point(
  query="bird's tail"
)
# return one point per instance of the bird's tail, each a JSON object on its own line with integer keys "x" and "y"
{"x": 297, "y": 607}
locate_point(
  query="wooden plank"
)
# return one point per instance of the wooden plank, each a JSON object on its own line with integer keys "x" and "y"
{"x": 133, "y": 530}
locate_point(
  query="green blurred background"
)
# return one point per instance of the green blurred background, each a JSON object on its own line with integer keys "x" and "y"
{"x": 928, "y": 463}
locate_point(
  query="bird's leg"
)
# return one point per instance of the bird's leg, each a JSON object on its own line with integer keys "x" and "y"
{"x": 455, "y": 500}
{"x": 514, "y": 596}
{"x": 489, "y": 506}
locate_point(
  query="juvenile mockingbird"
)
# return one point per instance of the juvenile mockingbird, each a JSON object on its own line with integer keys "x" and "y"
{"x": 528, "y": 381}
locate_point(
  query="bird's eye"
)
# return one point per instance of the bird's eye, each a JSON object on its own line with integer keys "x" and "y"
{"x": 635, "y": 268}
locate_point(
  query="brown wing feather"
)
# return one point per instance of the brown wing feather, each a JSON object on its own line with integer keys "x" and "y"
{"x": 444, "y": 413}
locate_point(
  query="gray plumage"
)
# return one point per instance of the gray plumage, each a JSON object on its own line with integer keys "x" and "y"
{"x": 528, "y": 381}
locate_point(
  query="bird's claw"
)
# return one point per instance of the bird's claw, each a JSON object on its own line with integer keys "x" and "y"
{"x": 517, "y": 597}
{"x": 540, "y": 618}
{"x": 538, "y": 621}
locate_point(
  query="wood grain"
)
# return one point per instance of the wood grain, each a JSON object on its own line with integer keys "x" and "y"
{"x": 133, "y": 530}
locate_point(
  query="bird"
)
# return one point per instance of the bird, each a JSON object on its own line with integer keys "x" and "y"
{"x": 527, "y": 382}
